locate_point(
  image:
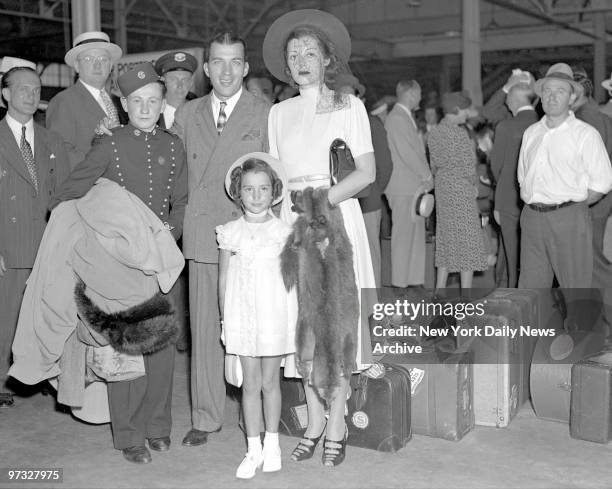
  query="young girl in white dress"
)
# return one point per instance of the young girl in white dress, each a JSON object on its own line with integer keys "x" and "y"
{"x": 255, "y": 306}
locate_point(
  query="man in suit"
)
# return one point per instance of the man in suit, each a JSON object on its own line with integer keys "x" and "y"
{"x": 33, "y": 162}
{"x": 586, "y": 109}
{"x": 7, "y": 63}
{"x": 504, "y": 160}
{"x": 371, "y": 206}
{"x": 176, "y": 69}
{"x": 216, "y": 129}
{"x": 76, "y": 112}
{"x": 411, "y": 175}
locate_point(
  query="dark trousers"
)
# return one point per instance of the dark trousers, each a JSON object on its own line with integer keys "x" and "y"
{"x": 141, "y": 408}
{"x": 511, "y": 239}
{"x": 207, "y": 353}
{"x": 556, "y": 243}
{"x": 12, "y": 286}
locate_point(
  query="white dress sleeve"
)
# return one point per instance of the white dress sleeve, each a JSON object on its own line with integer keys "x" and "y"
{"x": 226, "y": 236}
{"x": 359, "y": 136}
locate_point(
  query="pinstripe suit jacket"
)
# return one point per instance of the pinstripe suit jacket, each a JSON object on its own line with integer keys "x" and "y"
{"x": 23, "y": 212}
{"x": 74, "y": 114}
{"x": 209, "y": 156}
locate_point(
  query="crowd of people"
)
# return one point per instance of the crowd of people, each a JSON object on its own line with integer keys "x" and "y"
{"x": 277, "y": 256}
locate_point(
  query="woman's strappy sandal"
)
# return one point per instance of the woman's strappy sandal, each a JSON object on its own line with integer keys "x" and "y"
{"x": 304, "y": 451}
{"x": 334, "y": 451}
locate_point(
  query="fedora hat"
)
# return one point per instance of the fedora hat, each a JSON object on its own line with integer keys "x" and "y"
{"x": 92, "y": 40}
{"x": 607, "y": 84}
{"x": 422, "y": 205}
{"x": 278, "y": 32}
{"x": 275, "y": 164}
{"x": 559, "y": 71}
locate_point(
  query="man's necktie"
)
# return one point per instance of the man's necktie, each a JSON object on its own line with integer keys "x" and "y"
{"x": 222, "y": 118}
{"x": 28, "y": 157}
{"x": 110, "y": 109}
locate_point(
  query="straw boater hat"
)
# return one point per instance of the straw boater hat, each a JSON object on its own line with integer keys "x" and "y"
{"x": 559, "y": 71}
{"x": 349, "y": 80}
{"x": 8, "y": 62}
{"x": 276, "y": 37}
{"x": 276, "y": 165}
{"x": 92, "y": 40}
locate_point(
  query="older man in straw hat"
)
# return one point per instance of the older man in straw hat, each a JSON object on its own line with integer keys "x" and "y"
{"x": 76, "y": 112}
{"x": 563, "y": 168}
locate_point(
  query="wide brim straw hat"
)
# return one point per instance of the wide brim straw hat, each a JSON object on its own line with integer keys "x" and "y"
{"x": 275, "y": 164}
{"x": 559, "y": 71}
{"x": 278, "y": 32}
{"x": 92, "y": 40}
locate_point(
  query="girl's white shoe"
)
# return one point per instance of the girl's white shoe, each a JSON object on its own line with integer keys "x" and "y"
{"x": 271, "y": 459}
{"x": 249, "y": 465}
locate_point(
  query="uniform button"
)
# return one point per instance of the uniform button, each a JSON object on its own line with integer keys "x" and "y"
{"x": 119, "y": 174}
{"x": 13, "y": 219}
{"x": 13, "y": 197}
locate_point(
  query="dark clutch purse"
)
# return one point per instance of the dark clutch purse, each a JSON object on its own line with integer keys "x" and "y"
{"x": 341, "y": 163}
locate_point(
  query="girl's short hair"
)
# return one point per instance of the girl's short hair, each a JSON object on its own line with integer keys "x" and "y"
{"x": 335, "y": 66}
{"x": 253, "y": 165}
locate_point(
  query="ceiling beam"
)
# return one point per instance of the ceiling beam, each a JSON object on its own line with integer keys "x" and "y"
{"x": 542, "y": 17}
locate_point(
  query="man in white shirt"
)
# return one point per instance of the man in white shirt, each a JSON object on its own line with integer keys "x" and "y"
{"x": 216, "y": 129}
{"x": 563, "y": 168}
{"x": 33, "y": 163}
{"x": 177, "y": 69}
{"x": 411, "y": 175}
{"x": 75, "y": 112}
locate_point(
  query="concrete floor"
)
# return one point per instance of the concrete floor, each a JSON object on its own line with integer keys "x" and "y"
{"x": 531, "y": 453}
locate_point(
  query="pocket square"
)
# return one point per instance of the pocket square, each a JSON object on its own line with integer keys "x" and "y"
{"x": 52, "y": 157}
{"x": 252, "y": 135}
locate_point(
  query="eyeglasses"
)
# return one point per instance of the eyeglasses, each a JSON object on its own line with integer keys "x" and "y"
{"x": 103, "y": 60}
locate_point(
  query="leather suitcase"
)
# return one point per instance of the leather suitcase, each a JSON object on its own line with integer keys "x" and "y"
{"x": 442, "y": 393}
{"x": 591, "y": 399}
{"x": 379, "y": 410}
{"x": 502, "y": 363}
{"x": 551, "y": 368}
{"x": 294, "y": 413}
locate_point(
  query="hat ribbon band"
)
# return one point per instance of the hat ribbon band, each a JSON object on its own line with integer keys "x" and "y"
{"x": 86, "y": 41}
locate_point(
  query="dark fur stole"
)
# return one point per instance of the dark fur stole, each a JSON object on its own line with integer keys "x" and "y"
{"x": 318, "y": 259}
{"x": 144, "y": 328}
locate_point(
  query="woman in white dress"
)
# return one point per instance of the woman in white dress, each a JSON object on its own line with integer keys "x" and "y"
{"x": 307, "y": 48}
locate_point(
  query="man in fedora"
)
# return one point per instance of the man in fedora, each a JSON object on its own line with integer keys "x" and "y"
{"x": 75, "y": 112}
{"x": 411, "y": 175}
{"x": 33, "y": 163}
{"x": 150, "y": 163}
{"x": 176, "y": 69}
{"x": 216, "y": 129}
{"x": 520, "y": 96}
{"x": 563, "y": 168}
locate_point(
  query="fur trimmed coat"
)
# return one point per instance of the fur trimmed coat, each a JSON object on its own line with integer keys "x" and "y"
{"x": 318, "y": 260}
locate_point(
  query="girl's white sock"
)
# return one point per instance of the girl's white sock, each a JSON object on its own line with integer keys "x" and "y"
{"x": 254, "y": 444}
{"x": 271, "y": 439}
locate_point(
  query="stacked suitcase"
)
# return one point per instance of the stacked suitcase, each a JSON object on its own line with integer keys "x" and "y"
{"x": 442, "y": 393}
{"x": 501, "y": 363}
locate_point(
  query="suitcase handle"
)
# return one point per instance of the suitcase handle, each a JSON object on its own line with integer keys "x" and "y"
{"x": 361, "y": 391}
